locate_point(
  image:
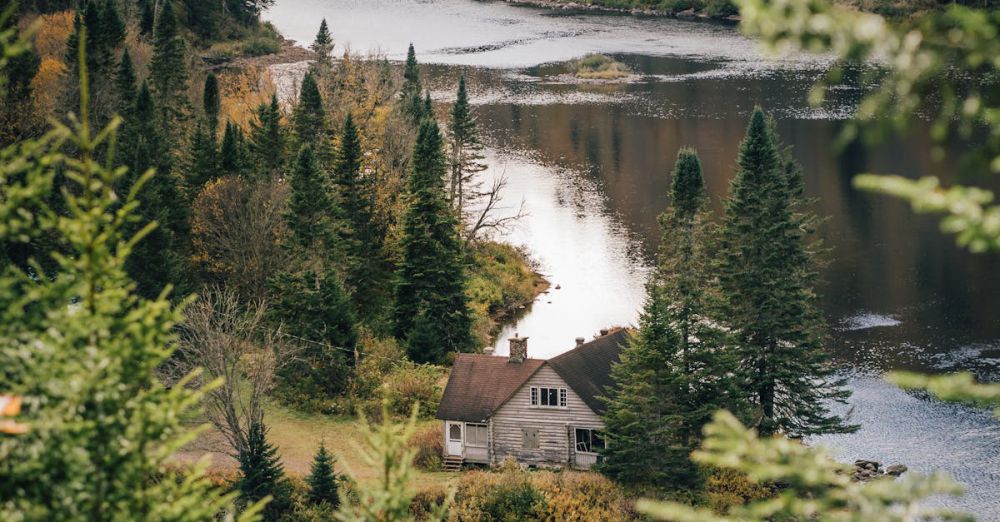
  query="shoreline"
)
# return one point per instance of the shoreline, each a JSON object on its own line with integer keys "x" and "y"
{"x": 689, "y": 14}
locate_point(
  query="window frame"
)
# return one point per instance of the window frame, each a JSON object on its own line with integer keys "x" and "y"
{"x": 545, "y": 394}
{"x": 591, "y": 432}
{"x": 469, "y": 438}
{"x": 451, "y": 427}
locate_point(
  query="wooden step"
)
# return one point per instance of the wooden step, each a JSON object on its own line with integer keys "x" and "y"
{"x": 453, "y": 463}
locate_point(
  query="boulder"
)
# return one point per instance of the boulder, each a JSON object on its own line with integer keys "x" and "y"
{"x": 896, "y": 470}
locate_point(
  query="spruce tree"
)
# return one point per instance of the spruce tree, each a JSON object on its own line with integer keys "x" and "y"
{"x": 675, "y": 372}
{"x": 18, "y": 118}
{"x": 366, "y": 275}
{"x": 768, "y": 281}
{"x": 309, "y": 118}
{"x": 156, "y": 261}
{"x": 313, "y": 217}
{"x": 168, "y": 73}
{"x": 267, "y": 141}
{"x": 203, "y": 162}
{"x": 147, "y": 17}
{"x": 431, "y": 277}
{"x": 125, "y": 85}
{"x": 322, "y": 480}
{"x": 323, "y": 44}
{"x": 232, "y": 152}
{"x": 262, "y": 475}
{"x": 412, "y": 89}
{"x": 212, "y": 104}
{"x": 466, "y": 157}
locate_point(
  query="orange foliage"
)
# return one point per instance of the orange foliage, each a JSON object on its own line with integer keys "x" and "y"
{"x": 53, "y": 32}
{"x": 46, "y": 85}
{"x": 242, "y": 92}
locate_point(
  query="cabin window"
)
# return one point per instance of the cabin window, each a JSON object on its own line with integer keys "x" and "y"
{"x": 476, "y": 435}
{"x": 548, "y": 397}
{"x": 455, "y": 433}
{"x": 529, "y": 438}
{"x": 589, "y": 440}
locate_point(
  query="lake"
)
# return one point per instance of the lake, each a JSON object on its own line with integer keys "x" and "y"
{"x": 591, "y": 164}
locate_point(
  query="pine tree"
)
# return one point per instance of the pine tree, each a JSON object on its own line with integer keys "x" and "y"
{"x": 322, "y": 480}
{"x": 309, "y": 118}
{"x": 262, "y": 475}
{"x": 125, "y": 85}
{"x": 313, "y": 217}
{"x": 367, "y": 275}
{"x": 211, "y": 104}
{"x": 168, "y": 73}
{"x": 466, "y": 150}
{"x": 203, "y": 164}
{"x": 675, "y": 372}
{"x": 323, "y": 44}
{"x": 232, "y": 152}
{"x": 147, "y": 17}
{"x": 313, "y": 305}
{"x": 410, "y": 95}
{"x": 94, "y": 404}
{"x": 767, "y": 278}
{"x": 156, "y": 261}
{"x": 431, "y": 277}
{"x": 267, "y": 141}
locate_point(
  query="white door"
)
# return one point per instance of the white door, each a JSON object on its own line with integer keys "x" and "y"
{"x": 454, "y": 434}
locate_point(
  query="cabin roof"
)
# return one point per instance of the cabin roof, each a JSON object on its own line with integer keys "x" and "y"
{"x": 479, "y": 384}
{"x": 587, "y": 368}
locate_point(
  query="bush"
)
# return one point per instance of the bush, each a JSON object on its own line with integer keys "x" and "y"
{"x": 429, "y": 446}
{"x": 409, "y": 383}
{"x": 502, "y": 279}
{"x": 428, "y": 501}
{"x": 726, "y": 488}
{"x": 505, "y": 496}
{"x": 599, "y": 67}
{"x": 582, "y": 496}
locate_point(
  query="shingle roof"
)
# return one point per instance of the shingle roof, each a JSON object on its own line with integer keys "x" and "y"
{"x": 587, "y": 369}
{"x": 479, "y": 384}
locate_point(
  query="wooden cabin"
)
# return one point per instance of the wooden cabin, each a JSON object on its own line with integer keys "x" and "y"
{"x": 541, "y": 412}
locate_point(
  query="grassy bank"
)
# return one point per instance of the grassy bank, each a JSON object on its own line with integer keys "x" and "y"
{"x": 502, "y": 283}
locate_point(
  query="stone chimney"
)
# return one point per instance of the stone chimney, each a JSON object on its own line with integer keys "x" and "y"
{"x": 518, "y": 349}
{"x": 580, "y": 341}
{"x": 488, "y": 350}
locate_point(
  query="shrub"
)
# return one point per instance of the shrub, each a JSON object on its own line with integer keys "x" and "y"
{"x": 599, "y": 67}
{"x": 726, "y": 488}
{"x": 502, "y": 278}
{"x": 505, "y": 496}
{"x": 409, "y": 383}
{"x": 429, "y": 446}
{"x": 428, "y": 502}
{"x": 582, "y": 496}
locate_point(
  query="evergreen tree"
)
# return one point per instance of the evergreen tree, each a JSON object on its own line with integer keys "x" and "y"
{"x": 313, "y": 218}
{"x": 431, "y": 278}
{"x": 125, "y": 85}
{"x": 466, "y": 157}
{"x": 313, "y": 305}
{"x": 309, "y": 118}
{"x": 267, "y": 141}
{"x": 18, "y": 118}
{"x": 212, "y": 104}
{"x": 156, "y": 261}
{"x": 94, "y": 405}
{"x": 412, "y": 89}
{"x": 168, "y": 73}
{"x": 147, "y": 17}
{"x": 203, "y": 163}
{"x": 323, "y": 44}
{"x": 674, "y": 374}
{"x": 233, "y": 153}
{"x": 262, "y": 475}
{"x": 366, "y": 275}
{"x": 767, "y": 278}
{"x": 322, "y": 480}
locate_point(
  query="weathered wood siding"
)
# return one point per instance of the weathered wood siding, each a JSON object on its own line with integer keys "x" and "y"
{"x": 555, "y": 425}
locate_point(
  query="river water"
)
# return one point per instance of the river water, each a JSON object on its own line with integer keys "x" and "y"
{"x": 591, "y": 164}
